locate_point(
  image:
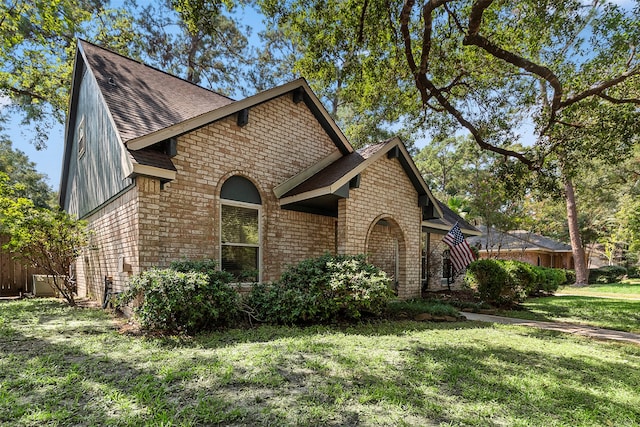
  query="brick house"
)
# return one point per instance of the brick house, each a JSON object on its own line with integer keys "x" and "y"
{"x": 526, "y": 246}
{"x": 163, "y": 169}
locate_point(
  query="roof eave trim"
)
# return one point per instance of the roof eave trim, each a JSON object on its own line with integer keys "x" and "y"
{"x": 331, "y": 189}
{"x": 335, "y": 186}
{"x": 305, "y": 196}
{"x": 298, "y": 179}
{"x": 153, "y": 171}
{"x": 447, "y": 228}
{"x": 196, "y": 122}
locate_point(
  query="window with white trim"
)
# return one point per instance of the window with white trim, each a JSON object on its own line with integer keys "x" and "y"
{"x": 240, "y": 229}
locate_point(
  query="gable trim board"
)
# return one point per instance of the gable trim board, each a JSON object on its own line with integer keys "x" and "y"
{"x": 298, "y": 179}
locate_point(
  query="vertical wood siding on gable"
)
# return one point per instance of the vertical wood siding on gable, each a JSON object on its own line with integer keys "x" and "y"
{"x": 97, "y": 176}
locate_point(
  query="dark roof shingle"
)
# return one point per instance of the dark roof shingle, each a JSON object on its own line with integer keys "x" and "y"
{"x": 336, "y": 170}
{"x": 516, "y": 241}
{"x": 142, "y": 99}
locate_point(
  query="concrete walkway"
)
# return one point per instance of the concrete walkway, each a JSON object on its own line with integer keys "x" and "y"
{"x": 587, "y": 331}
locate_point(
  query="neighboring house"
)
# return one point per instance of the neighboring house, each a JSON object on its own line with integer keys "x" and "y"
{"x": 163, "y": 169}
{"x": 523, "y": 246}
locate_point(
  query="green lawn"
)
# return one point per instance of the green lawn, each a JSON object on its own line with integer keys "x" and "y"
{"x": 63, "y": 366}
{"x": 627, "y": 289}
{"x": 608, "y": 313}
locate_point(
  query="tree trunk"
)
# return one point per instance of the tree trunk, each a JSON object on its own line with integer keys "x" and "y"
{"x": 574, "y": 234}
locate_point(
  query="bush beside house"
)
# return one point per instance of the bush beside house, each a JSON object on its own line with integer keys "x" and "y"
{"x": 192, "y": 296}
{"x": 323, "y": 289}
{"x": 607, "y": 274}
{"x": 504, "y": 283}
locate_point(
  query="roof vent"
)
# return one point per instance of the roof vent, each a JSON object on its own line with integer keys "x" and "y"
{"x": 112, "y": 82}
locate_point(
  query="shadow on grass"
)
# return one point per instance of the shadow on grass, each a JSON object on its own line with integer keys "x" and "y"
{"x": 569, "y": 389}
{"x": 622, "y": 315}
{"x": 385, "y": 373}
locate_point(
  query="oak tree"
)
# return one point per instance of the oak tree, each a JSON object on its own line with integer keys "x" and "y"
{"x": 488, "y": 67}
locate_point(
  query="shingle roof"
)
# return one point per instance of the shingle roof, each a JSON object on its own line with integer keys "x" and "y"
{"x": 516, "y": 241}
{"x": 143, "y": 99}
{"x": 336, "y": 170}
{"x": 451, "y": 217}
{"x": 150, "y": 157}
{"x": 541, "y": 241}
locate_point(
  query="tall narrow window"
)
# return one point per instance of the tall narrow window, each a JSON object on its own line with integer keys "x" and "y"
{"x": 240, "y": 229}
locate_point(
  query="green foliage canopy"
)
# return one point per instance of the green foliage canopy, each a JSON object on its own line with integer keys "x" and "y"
{"x": 489, "y": 66}
{"x": 37, "y": 50}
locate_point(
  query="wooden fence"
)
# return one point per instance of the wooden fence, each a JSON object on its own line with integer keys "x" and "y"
{"x": 15, "y": 278}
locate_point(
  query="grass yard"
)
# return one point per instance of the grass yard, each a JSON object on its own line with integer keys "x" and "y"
{"x": 64, "y": 366}
{"x": 617, "y": 314}
{"x": 627, "y": 289}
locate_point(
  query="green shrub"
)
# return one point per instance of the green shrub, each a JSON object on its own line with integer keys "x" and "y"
{"x": 571, "y": 277}
{"x": 507, "y": 282}
{"x": 522, "y": 278}
{"x": 633, "y": 272}
{"x": 491, "y": 280}
{"x": 190, "y": 296}
{"x": 607, "y": 274}
{"x": 549, "y": 280}
{"x": 322, "y": 289}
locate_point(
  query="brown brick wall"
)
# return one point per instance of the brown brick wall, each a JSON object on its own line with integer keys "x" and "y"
{"x": 281, "y": 139}
{"x": 150, "y": 217}
{"x": 381, "y": 248}
{"x": 114, "y": 236}
{"x": 181, "y": 219}
{"x": 385, "y": 193}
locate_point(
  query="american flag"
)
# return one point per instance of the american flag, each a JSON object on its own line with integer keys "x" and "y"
{"x": 461, "y": 253}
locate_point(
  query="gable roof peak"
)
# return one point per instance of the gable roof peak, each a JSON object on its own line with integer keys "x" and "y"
{"x": 142, "y": 99}
{"x": 85, "y": 43}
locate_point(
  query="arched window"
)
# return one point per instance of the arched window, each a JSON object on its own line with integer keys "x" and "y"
{"x": 240, "y": 230}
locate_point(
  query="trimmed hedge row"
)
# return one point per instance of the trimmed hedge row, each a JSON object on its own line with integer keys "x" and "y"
{"x": 501, "y": 282}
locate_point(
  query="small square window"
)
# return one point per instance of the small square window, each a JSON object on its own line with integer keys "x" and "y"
{"x": 81, "y": 138}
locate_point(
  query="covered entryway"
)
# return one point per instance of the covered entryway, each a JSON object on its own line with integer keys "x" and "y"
{"x": 385, "y": 248}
